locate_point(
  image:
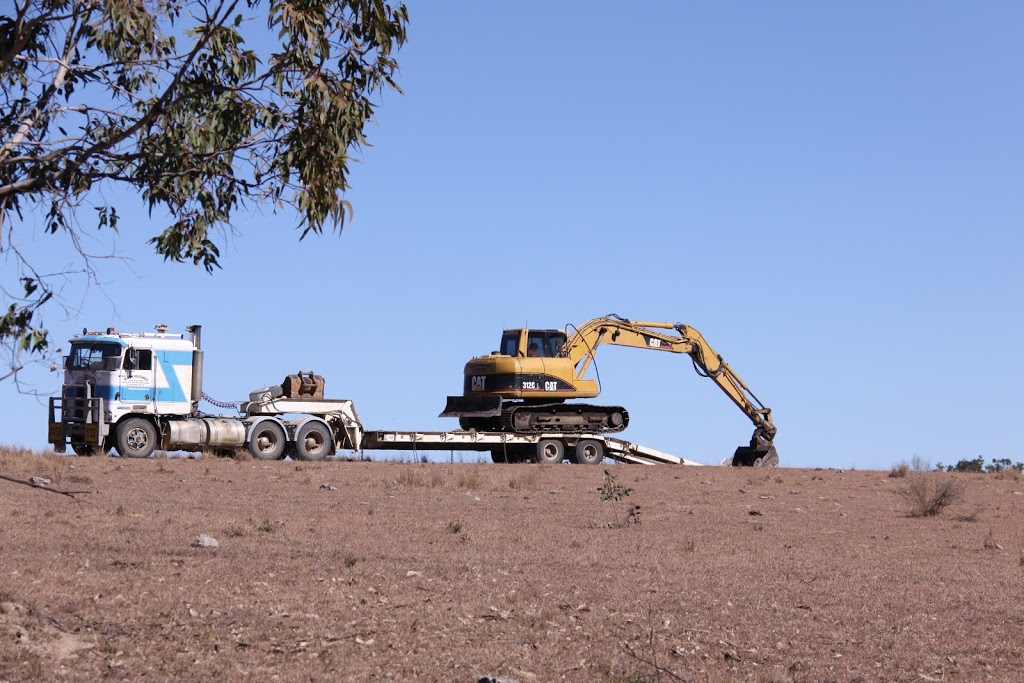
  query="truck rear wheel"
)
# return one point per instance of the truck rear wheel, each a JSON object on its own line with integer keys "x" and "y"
{"x": 136, "y": 438}
{"x": 551, "y": 451}
{"x": 313, "y": 441}
{"x": 589, "y": 452}
{"x": 267, "y": 441}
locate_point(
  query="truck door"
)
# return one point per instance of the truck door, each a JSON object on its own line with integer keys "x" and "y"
{"x": 172, "y": 378}
{"x": 137, "y": 376}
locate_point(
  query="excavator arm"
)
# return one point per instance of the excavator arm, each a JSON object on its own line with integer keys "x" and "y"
{"x": 582, "y": 346}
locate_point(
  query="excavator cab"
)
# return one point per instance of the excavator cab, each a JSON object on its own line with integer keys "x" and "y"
{"x": 527, "y": 343}
{"x": 528, "y": 367}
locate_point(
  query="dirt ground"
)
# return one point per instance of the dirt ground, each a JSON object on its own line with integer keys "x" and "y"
{"x": 456, "y": 572}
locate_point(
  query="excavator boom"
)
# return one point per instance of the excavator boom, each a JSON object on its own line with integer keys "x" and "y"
{"x": 582, "y": 346}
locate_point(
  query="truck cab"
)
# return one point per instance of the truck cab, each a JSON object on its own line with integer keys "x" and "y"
{"x": 110, "y": 377}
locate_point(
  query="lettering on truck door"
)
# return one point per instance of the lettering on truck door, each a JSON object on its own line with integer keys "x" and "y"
{"x": 137, "y": 376}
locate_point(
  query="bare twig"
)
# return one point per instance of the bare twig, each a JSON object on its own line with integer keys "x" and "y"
{"x": 69, "y": 494}
{"x": 652, "y": 661}
{"x": 628, "y": 649}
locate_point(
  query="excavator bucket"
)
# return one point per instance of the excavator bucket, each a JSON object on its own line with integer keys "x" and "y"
{"x": 755, "y": 456}
{"x": 472, "y": 406}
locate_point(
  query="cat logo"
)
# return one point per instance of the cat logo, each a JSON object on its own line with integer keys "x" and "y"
{"x": 477, "y": 383}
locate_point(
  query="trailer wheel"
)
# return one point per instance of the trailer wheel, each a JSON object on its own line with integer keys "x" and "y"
{"x": 589, "y": 452}
{"x": 313, "y": 441}
{"x": 551, "y": 451}
{"x": 84, "y": 450}
{"x": 136, "y": 438}
{"x": 267, "y": 441}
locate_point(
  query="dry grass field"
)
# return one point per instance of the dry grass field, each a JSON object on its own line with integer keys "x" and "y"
{"x": 456, "y": 572}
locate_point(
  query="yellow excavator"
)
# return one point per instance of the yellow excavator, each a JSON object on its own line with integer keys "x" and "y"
{"x": 523, "y": 386}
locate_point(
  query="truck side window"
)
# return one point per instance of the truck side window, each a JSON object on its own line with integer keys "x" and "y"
{"x": 138, "y": 359}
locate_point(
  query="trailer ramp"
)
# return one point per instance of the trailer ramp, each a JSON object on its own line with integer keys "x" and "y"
{"x": 625, "y": 451}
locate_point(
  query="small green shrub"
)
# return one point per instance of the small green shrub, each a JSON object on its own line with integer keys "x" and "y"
{"x": 611, "y": 490}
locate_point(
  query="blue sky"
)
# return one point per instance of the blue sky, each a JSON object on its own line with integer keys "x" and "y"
{"x": 832, "y": 194}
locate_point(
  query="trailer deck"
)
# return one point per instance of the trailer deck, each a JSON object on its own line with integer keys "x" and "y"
{"x": 469, "y": 440}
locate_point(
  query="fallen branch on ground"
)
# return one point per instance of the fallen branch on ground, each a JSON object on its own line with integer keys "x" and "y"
{"x": 69, "y": 494}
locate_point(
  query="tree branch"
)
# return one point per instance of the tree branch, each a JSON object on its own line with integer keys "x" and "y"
{"x": 23, "y": 32}
{"x": 71, "y": 44}
{"x": 158, "y": 106}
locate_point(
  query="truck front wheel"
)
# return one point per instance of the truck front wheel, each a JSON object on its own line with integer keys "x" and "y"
{"x": 136, "y": 438}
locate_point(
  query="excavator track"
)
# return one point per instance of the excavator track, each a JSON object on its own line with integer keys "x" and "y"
{"x": 580, "y": 418}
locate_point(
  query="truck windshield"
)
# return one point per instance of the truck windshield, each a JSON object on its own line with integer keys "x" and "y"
{"x": 93, "y": 356}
